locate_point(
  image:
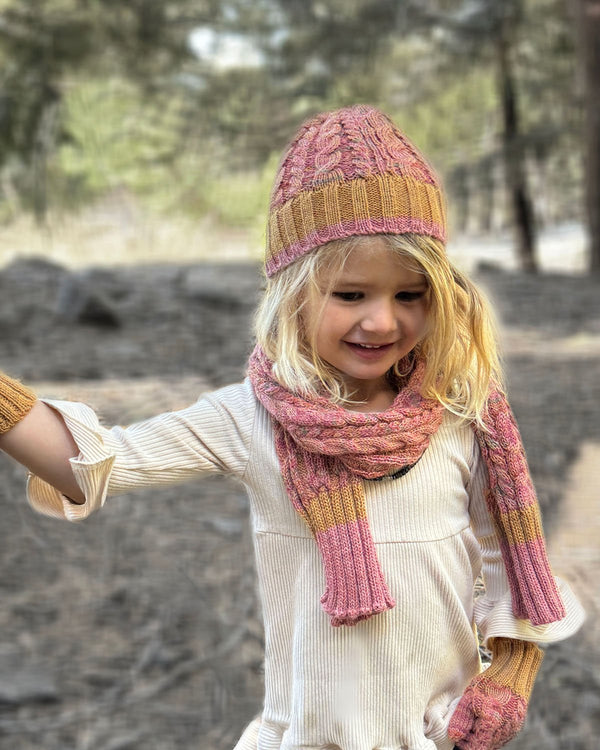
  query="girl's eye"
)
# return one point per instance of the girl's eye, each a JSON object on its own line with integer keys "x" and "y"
{"x": 356, "y": 296}
{"x": 409, "y": 296}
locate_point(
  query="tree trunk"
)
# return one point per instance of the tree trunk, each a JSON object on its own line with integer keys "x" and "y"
{"x": 589, "y": 35}
{"x": 514, "y": 163}
{"x": 486, "y": 184}
{"x": 42, "y": 146}
{"x": 461, "y": 194}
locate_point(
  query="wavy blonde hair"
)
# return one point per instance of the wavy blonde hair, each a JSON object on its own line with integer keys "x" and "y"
{"x": 459, "y": 346}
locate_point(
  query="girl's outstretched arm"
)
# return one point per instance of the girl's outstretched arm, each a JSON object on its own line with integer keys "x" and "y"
{"x": 37, "y": 437}
{"x": 71, "y": 456}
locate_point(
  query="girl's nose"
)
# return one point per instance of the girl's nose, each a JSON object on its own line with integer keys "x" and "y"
{"x": 379, "y": 318}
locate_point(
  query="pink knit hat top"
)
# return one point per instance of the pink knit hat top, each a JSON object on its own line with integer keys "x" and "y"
{"x": 350, "y": 172}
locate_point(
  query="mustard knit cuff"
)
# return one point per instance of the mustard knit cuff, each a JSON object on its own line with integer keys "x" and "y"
{"x": 515, "y": 665}
{"x": 16, "y": 401}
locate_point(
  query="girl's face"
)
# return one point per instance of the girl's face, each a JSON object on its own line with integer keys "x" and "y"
{"x": 374, "y": 315}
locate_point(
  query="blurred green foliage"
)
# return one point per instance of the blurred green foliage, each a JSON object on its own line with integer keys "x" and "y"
{"x": 114, "y": 137}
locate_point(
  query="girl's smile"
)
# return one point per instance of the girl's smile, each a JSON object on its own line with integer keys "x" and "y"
{"x": 369, "y": 351}
{"x": 374, "y": 315}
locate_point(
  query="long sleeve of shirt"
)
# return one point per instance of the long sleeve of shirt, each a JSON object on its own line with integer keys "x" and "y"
{"x": 210, "y": 436}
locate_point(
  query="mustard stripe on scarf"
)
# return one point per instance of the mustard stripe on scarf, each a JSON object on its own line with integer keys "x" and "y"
{"x": 326, "y": 451}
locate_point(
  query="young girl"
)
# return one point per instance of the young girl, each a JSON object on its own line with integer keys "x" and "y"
{"x": 383, "y": 465}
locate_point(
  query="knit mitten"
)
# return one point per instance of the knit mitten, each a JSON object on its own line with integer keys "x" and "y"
{"x": 16, "y": 400}
{"x": 493, "y": 708}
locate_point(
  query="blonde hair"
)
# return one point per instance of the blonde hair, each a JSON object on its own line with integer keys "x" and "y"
{"x": 459, "y": 346}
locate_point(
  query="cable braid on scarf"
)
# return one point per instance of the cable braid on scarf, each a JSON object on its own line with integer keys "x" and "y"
{"x": 513, "y": 505}
{"x": 326, "y": 451}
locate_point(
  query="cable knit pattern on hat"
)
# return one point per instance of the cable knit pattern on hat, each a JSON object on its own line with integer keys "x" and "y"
{"x": 350, "y": 172}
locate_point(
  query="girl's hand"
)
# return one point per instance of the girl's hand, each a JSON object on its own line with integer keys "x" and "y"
{"x": 494, "y": 705}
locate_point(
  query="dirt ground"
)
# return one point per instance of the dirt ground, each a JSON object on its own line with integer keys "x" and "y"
{"x": 140, "y": 628}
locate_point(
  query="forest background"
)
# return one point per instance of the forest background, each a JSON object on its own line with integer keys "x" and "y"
{"x": 169, "y": 117}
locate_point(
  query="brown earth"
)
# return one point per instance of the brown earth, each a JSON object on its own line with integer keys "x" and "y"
{"x": 140, "y": 628}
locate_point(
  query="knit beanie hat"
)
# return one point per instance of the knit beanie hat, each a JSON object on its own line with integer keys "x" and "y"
{"x": 350, "y": 172}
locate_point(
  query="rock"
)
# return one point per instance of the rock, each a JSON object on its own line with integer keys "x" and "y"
{"x": 78, "y": 303}
{"x": 27, "y": 685}
{"x": 220, "y": 287}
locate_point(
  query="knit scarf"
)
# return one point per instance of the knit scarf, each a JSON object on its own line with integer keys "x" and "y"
{"x": 325, "y": 452}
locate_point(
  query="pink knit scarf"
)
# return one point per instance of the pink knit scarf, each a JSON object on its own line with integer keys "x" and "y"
{"x": 325, "y": 452}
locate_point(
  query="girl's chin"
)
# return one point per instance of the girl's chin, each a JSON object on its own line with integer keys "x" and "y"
{"x": 366, "y": 380}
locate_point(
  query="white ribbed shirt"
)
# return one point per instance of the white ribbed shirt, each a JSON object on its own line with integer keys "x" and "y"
{"x": 388, "y": 683}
